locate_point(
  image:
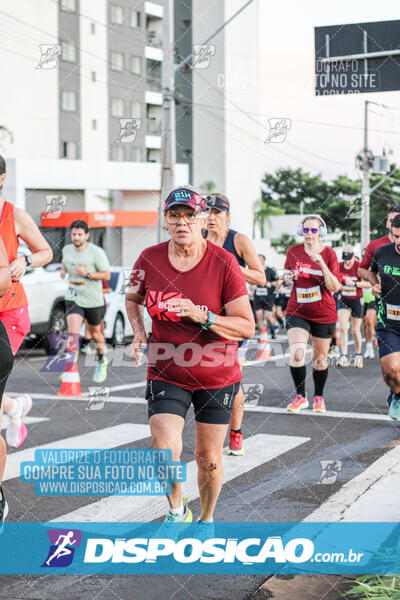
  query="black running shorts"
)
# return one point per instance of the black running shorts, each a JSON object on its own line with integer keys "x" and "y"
{"x": 355, "y": 305}
{"x": 92, "y": 315}
{"x": 388, "y": 340}
{"x": 319, "y": 330}
{"x": 210, "y": 406}
{"x": 263, "y": 302}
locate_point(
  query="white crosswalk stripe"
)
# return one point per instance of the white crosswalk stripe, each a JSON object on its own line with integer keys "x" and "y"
{"x": 260, "y": 449}
{"x": 109, "y": 437}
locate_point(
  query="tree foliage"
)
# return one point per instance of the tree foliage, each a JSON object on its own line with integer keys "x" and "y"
{"x": 287, "y": 190}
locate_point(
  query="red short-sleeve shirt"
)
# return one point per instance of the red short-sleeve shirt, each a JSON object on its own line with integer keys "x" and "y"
{"x": 181, "y": 351}
{"x": 350, "y": 291}
{"x": 310, "y": 299}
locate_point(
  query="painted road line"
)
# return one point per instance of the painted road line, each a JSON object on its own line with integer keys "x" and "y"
{"x": 109, "y": 437}
{"x": 85, "y": 395}
{"x": 260, "y": 449}
{"x": 373, "y": 495}
{"x": 336, "y": 414}
{"x": 252, "y": 363}
{"x": 27, "y": 420}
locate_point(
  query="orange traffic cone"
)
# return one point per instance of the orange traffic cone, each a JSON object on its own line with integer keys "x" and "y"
{"x": 264, "y": 349}
{"x": 70, "y": 383}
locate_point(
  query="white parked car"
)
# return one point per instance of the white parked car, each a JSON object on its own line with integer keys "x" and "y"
{"x": 45, "y": 291}
{"x": 116, "y": 322}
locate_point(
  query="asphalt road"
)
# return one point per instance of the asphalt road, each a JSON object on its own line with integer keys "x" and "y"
{"x": 279, "y": 479}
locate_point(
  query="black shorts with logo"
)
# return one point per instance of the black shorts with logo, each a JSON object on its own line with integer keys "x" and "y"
{"x": 355, "y": 305}
{"x": 210, "y": 406}
{"x": 92, "y": 315}
{"x": 320, "y": 330}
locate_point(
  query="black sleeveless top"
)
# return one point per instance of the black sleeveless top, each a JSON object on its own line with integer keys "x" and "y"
{"x": 229, "y": 245}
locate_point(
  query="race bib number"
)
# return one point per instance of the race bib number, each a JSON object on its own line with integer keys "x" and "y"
{"x": 393, "y": 312}
{"x": 305, "y": 295}
{"x": 349, "y": 290}
{"x": 261, "y": 291}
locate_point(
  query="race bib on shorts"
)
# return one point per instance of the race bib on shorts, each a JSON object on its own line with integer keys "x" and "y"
{"x": 393, "y": 312}
{"x": 312, "y": 294}
{"x": 261, "y": 291}
{"x": 349, "y": 290}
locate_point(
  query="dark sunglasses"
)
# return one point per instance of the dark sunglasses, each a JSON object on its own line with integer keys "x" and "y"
{"x": 347, "y": 255}
{"x": 312, "y": 229}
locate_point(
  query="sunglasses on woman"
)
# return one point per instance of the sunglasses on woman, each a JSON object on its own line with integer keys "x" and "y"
{"x": 312, "y": 229}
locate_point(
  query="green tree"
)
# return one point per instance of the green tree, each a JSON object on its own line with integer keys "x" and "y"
{"x": 283, "y": 243}
{"x": 295, "y": 191}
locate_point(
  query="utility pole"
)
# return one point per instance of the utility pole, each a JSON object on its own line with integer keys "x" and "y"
{"x": 365, "y": 197}
{"x": 168, "y": 150}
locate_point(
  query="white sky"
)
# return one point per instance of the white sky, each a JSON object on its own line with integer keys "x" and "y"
{"x": 286, "y": 88}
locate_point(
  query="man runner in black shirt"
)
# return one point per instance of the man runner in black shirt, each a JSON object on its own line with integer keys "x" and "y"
{"x": 385, "y": 279}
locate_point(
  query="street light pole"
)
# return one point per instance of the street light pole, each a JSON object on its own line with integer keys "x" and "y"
{"x": 168, "y": 151}
{"x": 365, "y": 197}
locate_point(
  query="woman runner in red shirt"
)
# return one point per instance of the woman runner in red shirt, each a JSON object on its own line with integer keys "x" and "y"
{"x": 311, "y": 309}
{"x": 350, "y": 304}
{"x": 196, "y": 296}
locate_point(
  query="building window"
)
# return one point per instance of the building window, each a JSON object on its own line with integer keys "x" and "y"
{"x": 136, "y": 65}
{"x": 117, "y": 61}
{"x": 137, "y": 154}
{"x": 135, "y": 18}
{"x": 68, "y": 5}
{"x": 92, "y": 28}
{"x": 93, "y": 75}
{"x": 136, "y": 110}
{"x": 117, "y": 107}
{"x": 117, "y": 14}
{"x": 117, "y": 152}
{"x": 70, "y": 150}
{"x": 68, "y": 101}
{"x": 94, "y": 124}
{"x": 68, "y": 52}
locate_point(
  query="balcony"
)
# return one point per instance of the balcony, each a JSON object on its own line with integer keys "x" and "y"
{"x": 153, "y": 9}
{"x": 153, "y": 126}
{"x": 153, "y": 83}
{"x": 153, "y": 98}
{"x": 153, "y": 39}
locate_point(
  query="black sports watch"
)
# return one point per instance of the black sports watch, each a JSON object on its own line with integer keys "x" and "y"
{"x": 88, "y": 276}
{"x": 28, "y": 260}
{"x": 211, "y": 320}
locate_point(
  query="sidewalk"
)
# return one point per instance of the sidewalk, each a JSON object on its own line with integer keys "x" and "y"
{"x": 372, "y": 496}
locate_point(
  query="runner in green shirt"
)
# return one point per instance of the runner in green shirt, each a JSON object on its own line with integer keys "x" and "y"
{"x": 86, "y": 265}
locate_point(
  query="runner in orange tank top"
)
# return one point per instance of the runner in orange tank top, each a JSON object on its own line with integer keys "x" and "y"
{"x": 15, "y": 223}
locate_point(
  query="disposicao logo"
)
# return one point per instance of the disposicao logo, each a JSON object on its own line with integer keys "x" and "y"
{"x": 191, "y": 550}
{"x": 62, "y": 547}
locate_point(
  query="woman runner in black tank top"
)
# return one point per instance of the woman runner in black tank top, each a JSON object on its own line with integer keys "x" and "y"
{"x": 243, "y": 250}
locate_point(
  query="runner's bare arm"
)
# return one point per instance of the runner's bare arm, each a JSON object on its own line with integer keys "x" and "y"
{"x": 5, "y": 278}
{"x": 63, "y": 271}
{"x": 98, "y": 275}
{"x": 134, "y": 309}
{"x": 254, "y": 272}
{"x": 236, "y": 325}
{"x": 371, "y": 277}
{"x": 332, "y": 283}
{"x": 362, "y": 273}
{"x": 28, "y": 231}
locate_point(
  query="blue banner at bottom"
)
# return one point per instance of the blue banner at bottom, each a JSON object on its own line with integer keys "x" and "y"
{"x": 195, "y": 548}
